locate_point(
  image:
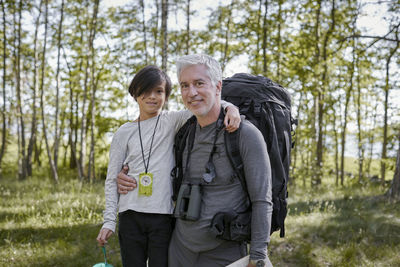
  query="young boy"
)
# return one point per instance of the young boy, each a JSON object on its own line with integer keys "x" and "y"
{"x": 146, "y": 146}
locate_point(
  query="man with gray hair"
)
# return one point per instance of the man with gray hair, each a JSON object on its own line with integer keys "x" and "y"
{"x": 193, "y": 243}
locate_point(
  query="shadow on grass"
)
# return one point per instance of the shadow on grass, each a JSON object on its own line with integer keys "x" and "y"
{"x": 354, "y": 229}
{"x": 57, "y": 246}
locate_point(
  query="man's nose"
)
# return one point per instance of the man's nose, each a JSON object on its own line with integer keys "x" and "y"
{"x": 192, "y": 90}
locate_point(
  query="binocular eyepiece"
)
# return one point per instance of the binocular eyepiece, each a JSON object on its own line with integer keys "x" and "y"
{"x": 188, "y": 203}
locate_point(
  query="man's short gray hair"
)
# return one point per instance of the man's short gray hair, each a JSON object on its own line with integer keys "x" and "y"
{"x": 213, "y": 67}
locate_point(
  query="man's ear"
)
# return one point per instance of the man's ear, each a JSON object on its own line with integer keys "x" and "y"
{"x": 219, "y": 87}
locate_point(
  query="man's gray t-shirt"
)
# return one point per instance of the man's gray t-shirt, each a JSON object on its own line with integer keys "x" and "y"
{"x": 225, "y": 192}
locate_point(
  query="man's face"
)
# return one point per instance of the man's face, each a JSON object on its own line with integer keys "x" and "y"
{"x": 199, "y": 95}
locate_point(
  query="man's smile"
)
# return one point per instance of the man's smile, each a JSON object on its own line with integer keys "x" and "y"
{"x": 195, "y": 101}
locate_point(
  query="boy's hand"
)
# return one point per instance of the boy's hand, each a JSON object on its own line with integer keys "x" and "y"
{"x": 103, "y": 236}
{"x": 125, "y": 183}
{"x": 232, "y": 118}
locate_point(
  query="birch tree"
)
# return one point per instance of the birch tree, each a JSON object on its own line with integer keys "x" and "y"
{"x": 57, "y": 130}
{"x": 46, "y": 139}
{"x": 3, "y": 109}
{"x": 164, "y": 34}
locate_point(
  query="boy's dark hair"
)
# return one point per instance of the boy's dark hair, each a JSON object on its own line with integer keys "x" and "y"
{"x": 148, "y": 78}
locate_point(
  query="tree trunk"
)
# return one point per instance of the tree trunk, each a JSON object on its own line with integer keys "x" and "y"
{"x": 394, "y": 191}
{"x": 164, "y": 34}
{"x": 371, "y": 139}
{"x": 38, "y": 151}
{"x": 386, "y": 105}
{"x": 298, "y": 133}
{"x": 57, "y": 131}
{"x": 32, "y": 139}
{"x": 225, "y": 53}
{"x": 22, "y": 170}
{"x": 83, "y": 132}
{"x": 188, "y": 27}
{"x": 258, "y": 45}
{"x": 3, "y": 110}
{"x": 319, "y": 101}
{"x": 51, "y": 162}
{"x": 278, "y": 43}
{"x": 361, "y": 150}
{"x": 344, "y": 128}
{"x": 144, "y": 31}
{"x": 156, "y": 31}
{"x": 315, "y": 178}
{"x": 91, "y": 167}
{"x": 73, "y": 163}
{"x": 336, "y": 136}
{"x": 348, "y": 96}
{"x": 75, "y": 142}
{"x": 264, "y": 44}
{"x": 321, "y": 94}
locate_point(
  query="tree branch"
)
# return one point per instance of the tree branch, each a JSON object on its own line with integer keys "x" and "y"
{"x": 378, "y": 38}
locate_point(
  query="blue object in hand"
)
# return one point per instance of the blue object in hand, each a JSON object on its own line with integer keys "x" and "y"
{"x": 103, "y": 264}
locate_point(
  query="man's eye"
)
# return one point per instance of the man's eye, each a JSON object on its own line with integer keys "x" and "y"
{"x": 199, "y": 84}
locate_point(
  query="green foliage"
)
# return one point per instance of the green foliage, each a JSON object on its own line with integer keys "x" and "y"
{"x": 353, "y": 226}
{"x": 296, "y": 43}
{"x": 46, "y": 225}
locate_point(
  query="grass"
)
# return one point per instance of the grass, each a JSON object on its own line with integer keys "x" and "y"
{"x": 352, "y": 226}
{"x": 46, "y": 225}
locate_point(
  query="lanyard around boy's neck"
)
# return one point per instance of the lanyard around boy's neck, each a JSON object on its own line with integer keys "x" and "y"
{"x": 146, "y": 166}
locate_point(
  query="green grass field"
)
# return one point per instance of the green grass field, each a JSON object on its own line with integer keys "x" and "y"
{"x": 44, "y": 225}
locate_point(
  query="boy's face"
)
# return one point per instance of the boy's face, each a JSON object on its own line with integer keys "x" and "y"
{"x": 151, "y": 102}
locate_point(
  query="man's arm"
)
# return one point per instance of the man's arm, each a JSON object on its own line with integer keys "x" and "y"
{"x": 124, "y": 181}
{"x": 257, "y": 170}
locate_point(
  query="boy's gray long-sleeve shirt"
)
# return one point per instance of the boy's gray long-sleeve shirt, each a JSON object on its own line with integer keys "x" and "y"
{"x": 226, "y": 192}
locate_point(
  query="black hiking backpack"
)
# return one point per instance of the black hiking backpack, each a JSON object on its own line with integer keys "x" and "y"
{"x": 267, "y": 105}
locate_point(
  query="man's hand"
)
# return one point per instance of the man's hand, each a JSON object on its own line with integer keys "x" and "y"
{"x": 125, "y": 183}
{"x": 103, "y": 236}
{"x": 232, "y": 118}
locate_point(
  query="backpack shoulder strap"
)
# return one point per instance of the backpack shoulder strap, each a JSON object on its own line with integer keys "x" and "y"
{"x": 233, "y": 151}
{"x": 187, "y": 130}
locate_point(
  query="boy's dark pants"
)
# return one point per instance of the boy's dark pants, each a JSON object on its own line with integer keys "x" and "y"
{"x": 144, "y": 236}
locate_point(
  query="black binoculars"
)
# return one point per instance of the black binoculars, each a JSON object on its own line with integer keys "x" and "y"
{"x": 188, "y": 203}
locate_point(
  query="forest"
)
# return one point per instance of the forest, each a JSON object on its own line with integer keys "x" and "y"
{"x": 65, "y": 70}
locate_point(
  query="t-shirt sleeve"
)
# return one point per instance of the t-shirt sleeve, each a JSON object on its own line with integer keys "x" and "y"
{"x": 257, "y": 170}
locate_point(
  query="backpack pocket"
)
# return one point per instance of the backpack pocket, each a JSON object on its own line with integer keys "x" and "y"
{"x": 231, "y": 225}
